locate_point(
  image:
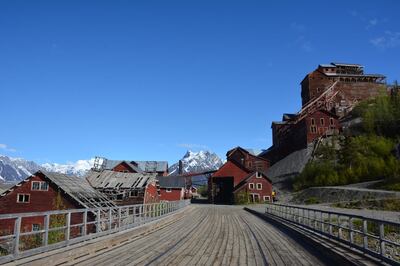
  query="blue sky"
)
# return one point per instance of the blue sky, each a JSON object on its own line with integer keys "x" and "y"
{"x": 150, "y": 79}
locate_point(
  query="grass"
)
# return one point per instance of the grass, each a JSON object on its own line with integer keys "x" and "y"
{"x": 382, "y": 205}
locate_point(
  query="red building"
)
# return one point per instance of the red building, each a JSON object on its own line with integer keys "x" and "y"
{"x": 248, "y": 158}
{"x": 296, "y": 131}
{"x": 256, "y": 186}
{"x": 175, "y": 188}
{"x": 350, "y": 85}
{"x": 45, "y": 191}
{"x": 328, "y": 94}
{"x": 233, "y": 178}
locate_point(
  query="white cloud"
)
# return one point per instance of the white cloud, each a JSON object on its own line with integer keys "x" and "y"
{"x": 192, "y": 146}
{"x": 388, "y": 40}
{"x": 301, "y": 39}
{"x": 6, "y": 148}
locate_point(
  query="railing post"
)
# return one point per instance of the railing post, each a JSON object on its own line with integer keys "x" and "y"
{"x": 46, "y": 229}
{"x": 119, "y": 217}
{"x": 84, "y": 229}
{"x": 351, "y": 230}
{"x": 17, "y": 230}
{"x": 140, "y": 213}
{"x": 340, "y": 235}
{"x": 330, "y": 224}
{"x": 381, "y": 239}
{"x": 322, "y": 222}
{"x": 365, "y": 232}
{"x": 98, "y": 221}
{"x": 68, "y": 225}
{"x": 109, "y": 219}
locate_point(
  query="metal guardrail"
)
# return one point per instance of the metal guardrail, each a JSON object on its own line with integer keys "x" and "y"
{"x": 378, "y": 238}
{"x": 64, "y": 227}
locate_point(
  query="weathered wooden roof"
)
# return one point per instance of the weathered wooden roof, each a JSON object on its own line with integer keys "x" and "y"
{"x": 116, "y": 180}
{"x": 76, "y": 188}
{"x": 173, "y": 181}
{"x": 140, "y": 166}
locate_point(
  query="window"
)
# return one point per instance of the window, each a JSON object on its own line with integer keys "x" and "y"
{"x": 35, "y": 227}
{"x": 258, "y": 175}
{"x": 313, "y": 129}
{"x": 322, "y": 121}
{"x": 133, "y": 193}
{"x": 120, "y": 196}
{"x": 331, "y": 121}
{"x": 312, "y": 121}
{"x": 168, "y": 189}
{"x": 40, "y": 186}
{"x": 35, "y": 185}
{"x": 23, "y": 198}
{"x": 267, "y": 198}
{"x": 251, "y": 185}
{"x": 259, "y": 186}
{"x": 44, "y": 186}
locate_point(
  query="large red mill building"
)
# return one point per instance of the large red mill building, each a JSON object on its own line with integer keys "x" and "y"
{"x": 328, "y": 94}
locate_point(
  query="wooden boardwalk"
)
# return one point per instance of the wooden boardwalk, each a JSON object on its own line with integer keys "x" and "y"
{"x": 209, "y": 235}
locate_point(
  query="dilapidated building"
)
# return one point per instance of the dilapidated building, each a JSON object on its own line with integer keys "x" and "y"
{"x": 125, "y": 188}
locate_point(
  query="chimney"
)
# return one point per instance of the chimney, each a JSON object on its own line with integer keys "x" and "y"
{"x": 180, "y": 170}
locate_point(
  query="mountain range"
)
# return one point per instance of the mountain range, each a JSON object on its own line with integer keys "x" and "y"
{"x": 13, "y": 170}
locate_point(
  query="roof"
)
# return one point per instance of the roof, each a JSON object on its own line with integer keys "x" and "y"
{"x": 4, "y": 187}
{"x": 244, "y": 181}
{"x": 153, "y": 166}
{"x": 254, "y": 152}
{"x": 327, "y": 65}
{"x": 354, "y": 75}
{"x": 173, "y": 181}
{"x": 140, "y": 166}
{"x": 346, "y": 64}
{"x": 115, "y": 180}
{"x": 286, "y": 116}
{"x": 77, "y": 188}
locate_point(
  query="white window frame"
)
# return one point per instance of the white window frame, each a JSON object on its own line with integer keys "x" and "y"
{"x": 251, "y": 186}
{"x": 33, "y": 183}
{"x": 168, "y": 189}
{"x": 47, "y": 186}
{"x": 24, "y": 194}
{"x": 258, "y": 175}
{"x": 40, "y": 185}
{"x": 267, "y": 198}
{"x": 259, "y": 186}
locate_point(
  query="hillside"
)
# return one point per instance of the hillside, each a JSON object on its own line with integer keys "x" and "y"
{"x": 369, "y": 153}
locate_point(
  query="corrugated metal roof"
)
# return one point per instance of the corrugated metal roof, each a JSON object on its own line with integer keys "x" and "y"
{"x": 172, "y": 181}
{"x": 111, "y": 179}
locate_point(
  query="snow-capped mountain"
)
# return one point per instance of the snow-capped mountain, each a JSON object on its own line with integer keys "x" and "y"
{"x": 15, "y": 169}
{"x": 78, "y": 168}
{"x": 195, "y": 162}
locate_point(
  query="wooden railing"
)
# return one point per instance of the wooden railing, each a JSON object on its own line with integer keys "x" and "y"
{"x": 55, "y": 229}
{"x": 377, "y": 238}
